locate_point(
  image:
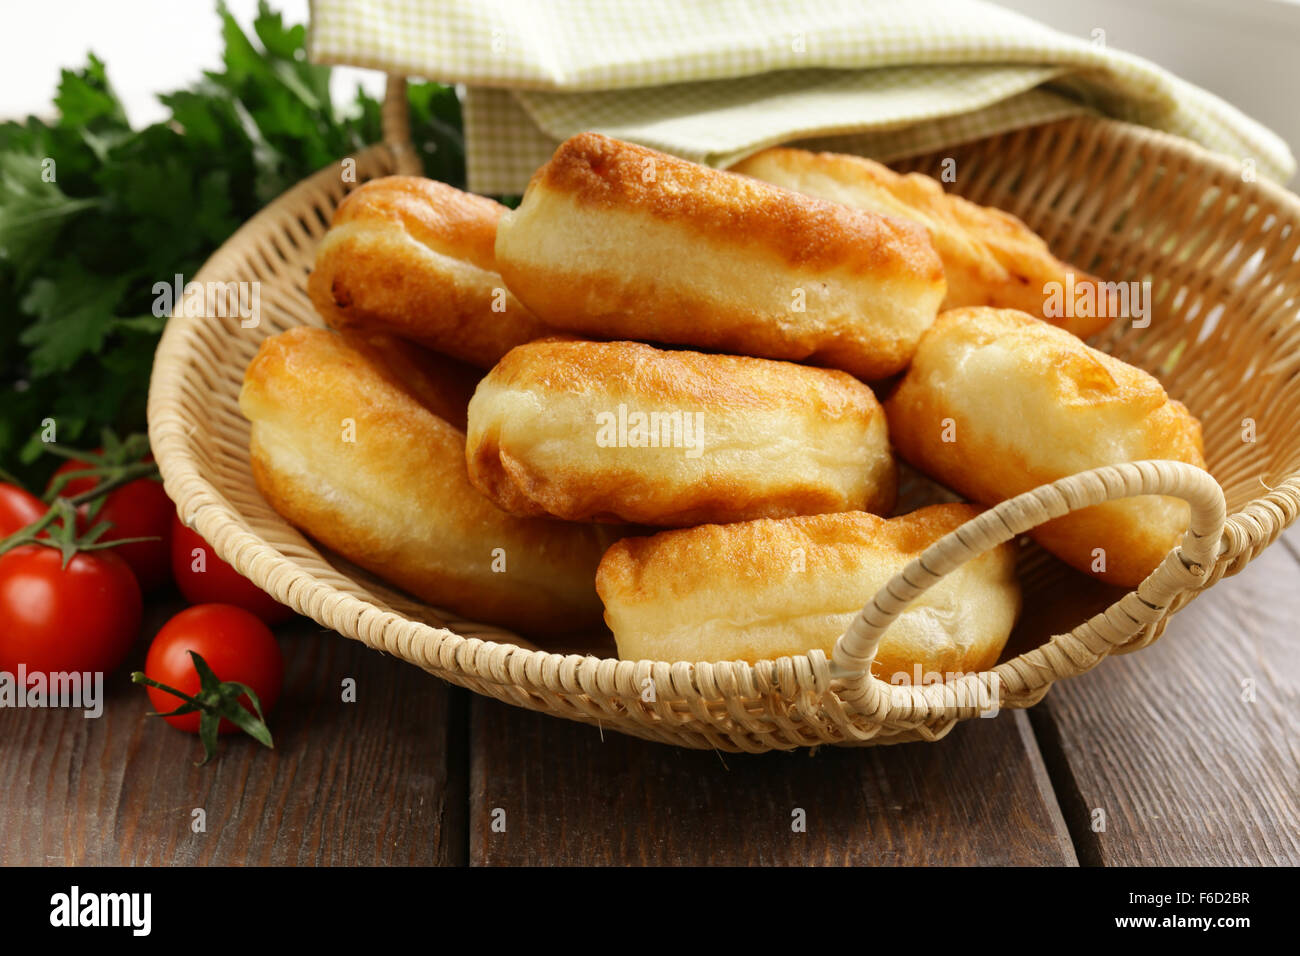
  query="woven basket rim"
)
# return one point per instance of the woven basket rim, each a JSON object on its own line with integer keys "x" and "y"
{"x": 442, "y": 650}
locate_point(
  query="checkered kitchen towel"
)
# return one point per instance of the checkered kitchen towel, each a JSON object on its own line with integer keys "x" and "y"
{"x": 716, "y": 80}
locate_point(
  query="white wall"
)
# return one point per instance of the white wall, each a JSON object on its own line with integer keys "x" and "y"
{"x": 149, "y": 46}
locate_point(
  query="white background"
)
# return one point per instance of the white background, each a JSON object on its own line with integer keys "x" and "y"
{"x": 149, "y": 47}
{"x": 1246, "y": 51}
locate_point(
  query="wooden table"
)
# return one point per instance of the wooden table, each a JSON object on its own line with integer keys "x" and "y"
{"x": 1185, "y": 753}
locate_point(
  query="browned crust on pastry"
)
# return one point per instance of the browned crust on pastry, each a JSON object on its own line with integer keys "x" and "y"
{"x": 442, "y": 385}
{"x": 708, "y": 258}
{"x": 576, "y": 366}
{"x": 805, "y": 232}
{"x": 636, "y": 487}
{"x": 433, "y": 213}
{"x": 990, "y": 257}
{"x": 620, "y": 496}
{"x": 1082, "y": 385}
{"x": 645, "y": 310}
{"x": 396, "y": 500}
{"x": 414, "y": 257}
{"x": 718, "y": 569}
{"x": 753, "y": 550}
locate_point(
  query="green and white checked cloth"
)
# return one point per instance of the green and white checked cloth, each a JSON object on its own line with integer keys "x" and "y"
{"x": 716, "y": 80}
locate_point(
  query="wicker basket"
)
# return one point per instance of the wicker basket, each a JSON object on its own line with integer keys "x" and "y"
{"x": 1120, "y": 201}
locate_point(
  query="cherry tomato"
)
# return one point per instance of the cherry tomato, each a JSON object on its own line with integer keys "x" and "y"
{"x": 18, "y": 509}
{"x": 204, "y": 578}
{"x": 139, "y": 509}
{"x": 84, "y": 617}
{"x": 235, "y": 644}
{"x": 75, "y": 486}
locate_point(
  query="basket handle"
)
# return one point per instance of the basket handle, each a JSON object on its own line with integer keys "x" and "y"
{"x": 1066, "y": 654}
{"x": 396, "y": 118}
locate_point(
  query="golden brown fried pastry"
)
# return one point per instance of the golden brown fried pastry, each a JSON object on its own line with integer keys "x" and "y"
{"x": 997, "y": 403}
{"x": 989, "y": 257}
{"x": 613, "y": 240}
{"x": 349, "y": 450}
{"x": 612, "y": 431}
{"x": 769, "y": 588}
{"x": 413, "y": 257}
{"x": 442, "y": 385}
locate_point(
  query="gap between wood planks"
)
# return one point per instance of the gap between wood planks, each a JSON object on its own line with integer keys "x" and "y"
{"x": 1185, "y": 753}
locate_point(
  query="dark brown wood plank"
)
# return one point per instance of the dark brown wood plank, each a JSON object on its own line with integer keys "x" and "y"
{"x": 1161, "y": 741}
{"x": 377, "y": 782}
{"x": 980, "y": 796}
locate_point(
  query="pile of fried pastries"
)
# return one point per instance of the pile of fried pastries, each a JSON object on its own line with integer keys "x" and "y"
{"x": 650, "y": 394}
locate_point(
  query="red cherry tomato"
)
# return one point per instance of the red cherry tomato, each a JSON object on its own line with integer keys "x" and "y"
{"x": 235, "y": 644}
{"x": 18, "y": 509}
{"x": 139, "y": 509}
{"x": 84, "y": 617}
{"x": 204, "y": 578}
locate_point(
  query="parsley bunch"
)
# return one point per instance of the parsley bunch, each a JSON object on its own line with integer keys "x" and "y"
{"x": 93, "y": 213}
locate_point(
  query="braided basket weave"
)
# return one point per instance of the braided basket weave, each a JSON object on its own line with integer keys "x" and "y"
{"x": 1120, "y": 201}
